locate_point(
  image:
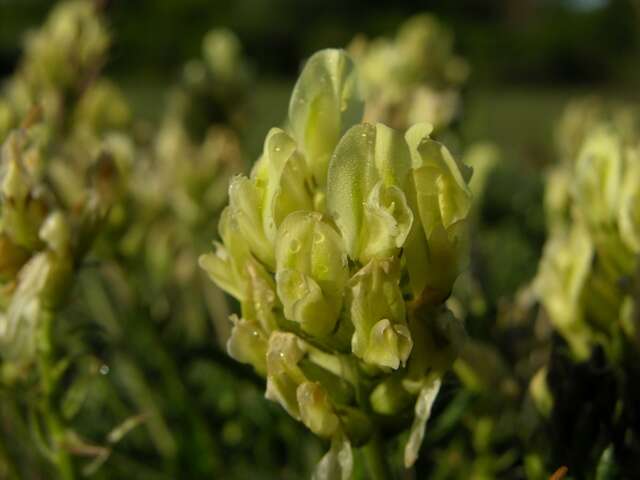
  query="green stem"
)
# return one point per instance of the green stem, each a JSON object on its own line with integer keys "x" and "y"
{"x": 54, "y": 423}
{"x": 376, "y": 459}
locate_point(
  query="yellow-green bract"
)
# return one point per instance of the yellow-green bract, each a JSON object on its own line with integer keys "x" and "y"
{"x": 341, "y": 247}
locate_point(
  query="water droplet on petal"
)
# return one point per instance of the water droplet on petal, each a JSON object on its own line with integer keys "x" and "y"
{"x": 294, "y": 246}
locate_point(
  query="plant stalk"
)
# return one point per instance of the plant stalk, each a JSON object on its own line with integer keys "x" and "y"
{"x": 55, "y": 425}
{"x": 376, "y": 459}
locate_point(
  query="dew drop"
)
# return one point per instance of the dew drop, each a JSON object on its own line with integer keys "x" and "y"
{"x": 104, "y": 369}
{"x": 294, "y": 246}
{"x": 318, "y": 237}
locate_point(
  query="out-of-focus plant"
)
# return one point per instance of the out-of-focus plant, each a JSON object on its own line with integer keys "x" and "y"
{"x": 159, "y": 190}
{"x": 414, "y": 77}
{"x": 213, "y": 88}
{"x": 43, "y": 246}
{"x": 592, "y": 206}
{"x": 341, "y": 248}
{"x": 63, "y": 169}
{"x": 61, "y": 59}
{"x": 179, "y": 182}
{"x": 586, "y": 285}
{"x": 59, "y": 75}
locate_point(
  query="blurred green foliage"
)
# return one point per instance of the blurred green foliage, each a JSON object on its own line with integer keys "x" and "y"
{"x": 144, "y": 350}
{"x": 546, "y": 41}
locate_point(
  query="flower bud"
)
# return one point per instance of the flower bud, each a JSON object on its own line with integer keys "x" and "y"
{"x": 315, "y": 409}
{"x": 381, "y": 336}
{"x": 245, "y": 208}
{"x": 102, "y": 108}
{"x": 67, "y": 47}
{"x": 226, "y": 266}
{"x": 324, "y": 103}
{"x": 629, "y": 212}
{"x": 248, "y": 344}
{"x": 311, "y": 272}
{"x": 12, "y": 257}
{"x": 437, "y": 108}
{"x": 337, "y": 463}
{"x": 284, "y": 352}
{"x": 390, "y": 397}
{"x": 598, "y": 177}
{"x": 55, "y": 233}
{"x": 540, "y": 393}
{"x": 414, "y": 77}
{"x": 436, "y": 246}
{"x": 367, "y": 173}
{"x": 286, "y": 179}
{"x": 19, "y": 322}
{"x": 562, "y": 276}
{"x": 222, "y": 52}
{"x": 24, "y": 207}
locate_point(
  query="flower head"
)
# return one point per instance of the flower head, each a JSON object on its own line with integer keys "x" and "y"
{"x": 341, "y": 247}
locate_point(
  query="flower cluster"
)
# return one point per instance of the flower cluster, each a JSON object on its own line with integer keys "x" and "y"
{"x": 60, "y": 60}
{"x": 41, "y": 242}
{"x": 413, "y": 78}
{"x": 593, "y": 210}
{"x": 81, "y": 179}
{"x": 341, "y": 247}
